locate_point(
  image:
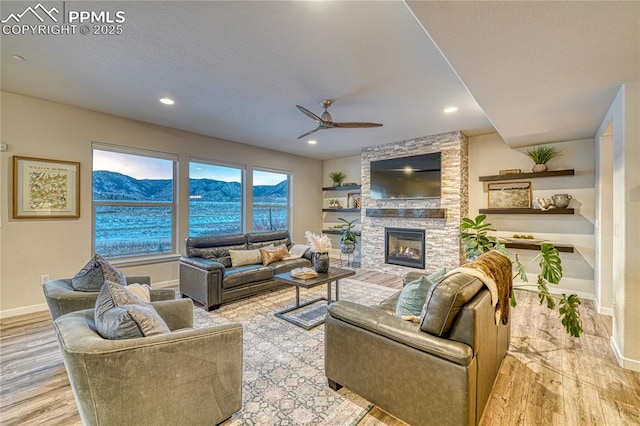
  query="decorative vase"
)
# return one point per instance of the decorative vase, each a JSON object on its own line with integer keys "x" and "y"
{"x": 347, "y": 248}
{"x": 336, "y": 183}
{"x": 561, "y": 201}
{"x": 321, "y": 262}
{"x": 539, "y": 168}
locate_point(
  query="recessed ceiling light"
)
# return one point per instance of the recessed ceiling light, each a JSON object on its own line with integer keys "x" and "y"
{"x": 167, "y": 101}
{"x": 312, "y": 142}
{"x": 18, "y": 57}
{"x": 449, "y": 110}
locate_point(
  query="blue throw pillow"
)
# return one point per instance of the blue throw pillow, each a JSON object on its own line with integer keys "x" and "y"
{"x": 414, "y": 294}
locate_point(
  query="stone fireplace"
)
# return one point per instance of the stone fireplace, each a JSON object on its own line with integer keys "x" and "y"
{"x": 404, "y": 247}
{"x": 438, "y": 218}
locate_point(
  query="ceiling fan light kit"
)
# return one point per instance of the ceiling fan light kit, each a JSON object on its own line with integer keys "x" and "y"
{"x": 325, "y": 121}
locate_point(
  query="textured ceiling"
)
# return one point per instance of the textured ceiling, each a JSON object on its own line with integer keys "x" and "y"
{"x": 542, "y": 71}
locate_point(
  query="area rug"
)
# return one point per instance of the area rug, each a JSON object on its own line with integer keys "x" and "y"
{"x": 283, "y": 380}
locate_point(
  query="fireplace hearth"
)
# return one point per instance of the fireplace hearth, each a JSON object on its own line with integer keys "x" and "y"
{"x": 404, "y": 247}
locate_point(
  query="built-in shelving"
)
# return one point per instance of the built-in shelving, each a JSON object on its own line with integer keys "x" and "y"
{"x": 337, "y": 232}
{"x": 549, "y": 173}
{"x": 565, "y": 248}
{"x": 526, "y": 211}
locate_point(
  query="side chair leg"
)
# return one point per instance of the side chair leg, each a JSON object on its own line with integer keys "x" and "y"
{"x": 333, "y": 385}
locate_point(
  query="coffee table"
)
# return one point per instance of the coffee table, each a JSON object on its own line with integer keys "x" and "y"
{"x": 333, "y": 274}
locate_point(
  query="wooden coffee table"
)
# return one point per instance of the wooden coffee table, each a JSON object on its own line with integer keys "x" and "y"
{"x": 334, "y": 274}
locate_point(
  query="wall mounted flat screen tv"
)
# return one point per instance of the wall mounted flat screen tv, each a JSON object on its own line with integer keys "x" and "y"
{"x": 417, "y": 176}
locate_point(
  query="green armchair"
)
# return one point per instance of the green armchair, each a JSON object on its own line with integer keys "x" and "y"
{"x": 189, "y": 376}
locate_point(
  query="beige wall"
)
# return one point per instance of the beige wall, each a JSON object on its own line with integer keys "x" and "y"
{"x": 622, "y": 120}
{"x": 37, "y": 128}
{"x": 488, "y": 154}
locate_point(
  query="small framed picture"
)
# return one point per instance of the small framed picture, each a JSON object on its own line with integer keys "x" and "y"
{"x": 44, "y": 189}
{"x": 510, "y": 195}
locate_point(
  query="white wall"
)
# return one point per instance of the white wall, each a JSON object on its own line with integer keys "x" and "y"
{"x": 60, "y": 247}
{"x": 488, "y": 154}
{"x": 623, "y": 116}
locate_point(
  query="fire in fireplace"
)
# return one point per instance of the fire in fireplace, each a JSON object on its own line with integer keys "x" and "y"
{"x": 404, "y": 247}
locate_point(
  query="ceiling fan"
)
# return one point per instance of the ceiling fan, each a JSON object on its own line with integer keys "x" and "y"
{"x": 325, "y": 121}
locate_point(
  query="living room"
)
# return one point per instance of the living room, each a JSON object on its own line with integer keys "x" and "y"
{"x": 602, "y": 267}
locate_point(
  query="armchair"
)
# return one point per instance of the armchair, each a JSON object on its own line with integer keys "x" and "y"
{"x": 189, "y": 376}
{"x": 62, "y": 298}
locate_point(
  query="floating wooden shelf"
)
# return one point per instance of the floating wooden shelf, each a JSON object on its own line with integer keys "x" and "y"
{"x": 342, "y": 210}
{"x": 565, "y": 248}
{"x": 526, "y": 211}
{"x": 550, "y": 173}
{"x": 341, "y": 188}
{"x": 337, "y": 232}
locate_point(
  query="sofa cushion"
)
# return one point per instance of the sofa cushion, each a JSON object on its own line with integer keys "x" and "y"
{"x": 245, "y": 257}
{"x": 93, "y": 275}
{"x": 143, "y": 291}
{"x": 297, "y": 251}
{"x": 414, "y": 294}
{"x": 120, "y": 314}
{"x": 287, "y": 265}
{"x": 256, "y": 240}
{"x": 242, "y": 275}
{"x": 273, "y": 255}
{"x": 444, "y": 301}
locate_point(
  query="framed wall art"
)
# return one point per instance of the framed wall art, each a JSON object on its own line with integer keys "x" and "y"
{"x": 512, "y": 195}
{"x": 45, "y": 189}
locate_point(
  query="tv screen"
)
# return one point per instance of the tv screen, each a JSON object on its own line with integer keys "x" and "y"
{"x": 417, "y": 176}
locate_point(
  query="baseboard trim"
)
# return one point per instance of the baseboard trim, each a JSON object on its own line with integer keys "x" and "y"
{"x": 629, "y": 364}
{"x": 23, "y": 310}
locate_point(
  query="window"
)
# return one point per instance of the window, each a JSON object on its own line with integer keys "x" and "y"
{"x": 270, "y": 201}
{"x": 215, "y": 199}
{"x": 133, "y": 202}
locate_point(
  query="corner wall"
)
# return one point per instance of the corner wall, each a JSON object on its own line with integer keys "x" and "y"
{"x": 60, "y": 247}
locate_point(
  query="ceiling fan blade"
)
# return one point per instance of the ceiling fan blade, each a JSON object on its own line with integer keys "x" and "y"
{"x": 310, "y": 114}
{"x": 312, "y": 131}
{"x": 355, "y": 124}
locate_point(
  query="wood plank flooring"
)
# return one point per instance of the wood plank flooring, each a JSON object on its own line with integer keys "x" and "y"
{"x": 547, "y": 378}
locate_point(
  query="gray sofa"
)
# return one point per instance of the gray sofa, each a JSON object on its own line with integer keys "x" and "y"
{"x": 62, "y": 298}
{"x": 421, "y": 378}
{"x": 208, "y": 277}
{"x": 187, "y": 377}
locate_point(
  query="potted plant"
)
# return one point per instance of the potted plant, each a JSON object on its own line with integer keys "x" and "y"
{"x": 348, "y": 237}
{"x": 541, "y": 155}
{"x": 337, "y": 177}
{"x": 475, "y": 241}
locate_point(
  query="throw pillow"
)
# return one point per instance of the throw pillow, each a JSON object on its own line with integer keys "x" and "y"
{"x": 414, "y": 294}
{"x": 143, "y": 291}
{"x": 93, "y": 275}
{"x": 297, "y": 251}
{"x": 245, "y": 257}
{"x": 120, "y": 314}
{"x": 273, "y": 255}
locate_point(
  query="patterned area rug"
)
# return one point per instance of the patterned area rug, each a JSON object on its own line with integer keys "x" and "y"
{"x": 284, "y": 381}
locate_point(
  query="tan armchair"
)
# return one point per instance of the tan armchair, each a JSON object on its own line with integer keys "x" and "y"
{"x": 190, "y": 376}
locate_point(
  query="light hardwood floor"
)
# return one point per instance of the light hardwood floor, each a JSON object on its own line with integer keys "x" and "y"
{"x": 547, "y": 378}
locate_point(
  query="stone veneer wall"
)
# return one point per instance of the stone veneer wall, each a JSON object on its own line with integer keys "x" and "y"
{"x": 442, "y": 245}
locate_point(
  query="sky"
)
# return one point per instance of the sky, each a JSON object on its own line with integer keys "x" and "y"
{"x": 139, "y": 167}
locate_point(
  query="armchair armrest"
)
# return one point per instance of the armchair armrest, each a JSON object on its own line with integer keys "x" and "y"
{"x": 380, "y": 322}
{"x": 177, "y": 313}
{"x": 140, "y": 279}
{"x": 205, "y": 264}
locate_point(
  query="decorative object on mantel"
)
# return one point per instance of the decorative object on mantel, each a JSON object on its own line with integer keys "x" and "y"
{"x": 337, "y": 177}
{"x": 510, "y": 171}
{"x": 541, "y": 155}
{"x": 509, "y": 195}
{"x": 475, "y": 241}
{"x": 561, "y": 201}
{"x": 545, "y": 204}
{"x": 320, "y": 246}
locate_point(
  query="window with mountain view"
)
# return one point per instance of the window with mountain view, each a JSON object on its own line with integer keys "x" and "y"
{"x": 270, "y": 201}
{"x": 133, "y": 203}
{"x": 215, "y": 199}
